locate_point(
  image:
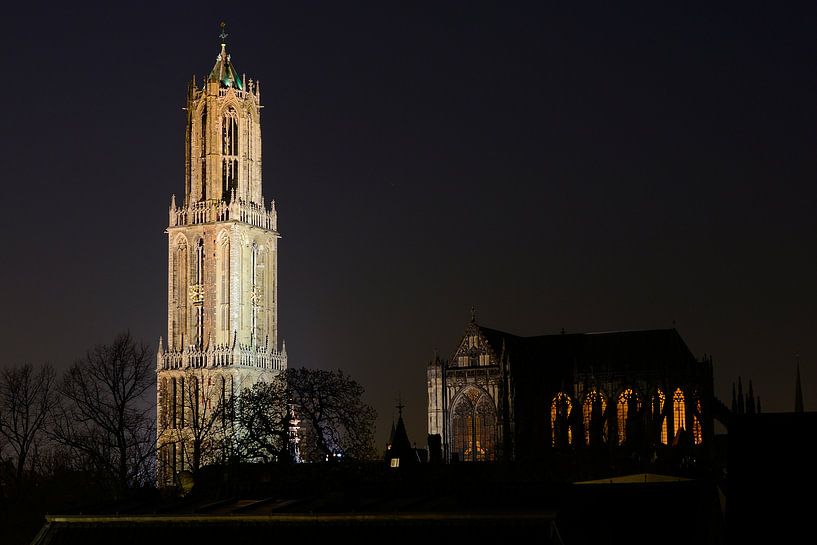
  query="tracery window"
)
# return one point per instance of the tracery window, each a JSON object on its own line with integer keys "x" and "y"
{"x": 560, "y": 409}
{"x": 595, "y": 425}
{"x": 658, "y": 403}
{"x": 203, "y": 152}
{"x": 224, "y": 288}
{"x": 229, "y": 151}
{"x": 179, "y": 292}
{"x": 627, "y": 408}
{"x": 697, "y": 428}
{"x": 678, "y": 412}
{"x": 197, "y": 294}
{"x": 474, "y": 427}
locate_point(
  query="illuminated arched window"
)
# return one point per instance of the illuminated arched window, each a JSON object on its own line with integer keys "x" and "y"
{"x": 174, "y": 396}
{"x": 203, "y": 151}
{"x": 697, "y": 428}
{"x": 627, "y": 408}
{"x": 197, "y": 292}
{"x": 560, "y": 408}
{"x": 658, "y": 403}
{"x": 224, "y": 288}
{"x": 595, "y": 427}
{"x": 179, "y": 290}
{"x": 259, "y": 293}
{"x": 180, "y": 406}
{"x": 473, "y": 425}
{"x": 229, "y": 152}
{"x": 678, "y": 412}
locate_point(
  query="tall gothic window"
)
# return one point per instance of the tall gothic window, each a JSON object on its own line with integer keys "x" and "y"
{"x": 560, "y": 408}
{"x": 260, "y": 293}
{"x": 181, "y": 404}
{"x": 173, "y": 403}
{"x": 179, "y": 293}
{"x": 595, "y": 425}
{"x": 197, "y": 294}
{"x": 658, "y": 403}
{"x": 254, "y": 298}
{"x": 224, "y": 287}
{"x": 229, "y": 151}
{"x": 203, "y": 152}
{"x": 474, "y": 427}
{"x": 627, "y": 409}
{"x": 679, "y": 420}
{"x": 697, "y": 428}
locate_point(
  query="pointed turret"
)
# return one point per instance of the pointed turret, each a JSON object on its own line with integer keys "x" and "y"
{"x": 223, "y": 71}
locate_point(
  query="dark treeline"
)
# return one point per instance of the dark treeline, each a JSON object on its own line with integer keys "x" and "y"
{"x": 87, "y": 439}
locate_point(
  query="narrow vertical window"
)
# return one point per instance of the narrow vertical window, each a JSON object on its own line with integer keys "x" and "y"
{"x": 179, "y": 293}
{"x": 198, "y": 293}
{"x": 678, "y": 412}
{"x": 224, "y": 288}
{"x": 203, "y": 151}
{"x": 229, "y": 151}
{"x": 560, "y": 408}
{"x": 697, "y": 428}
{"x": 658, "y": 415}
{"x": 595, "y": 426}
{"x": 627, "y": 409}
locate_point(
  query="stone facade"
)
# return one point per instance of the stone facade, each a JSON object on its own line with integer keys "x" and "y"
{"x": 632, "y": 394}
{"x": 222, "y": 280}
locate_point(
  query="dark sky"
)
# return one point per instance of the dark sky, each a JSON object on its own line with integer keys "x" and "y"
{"x": 592, "y": 168}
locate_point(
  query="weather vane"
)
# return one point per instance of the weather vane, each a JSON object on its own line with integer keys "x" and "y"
{"x": 223, "y": 34}
{"x": 400, "y": 405}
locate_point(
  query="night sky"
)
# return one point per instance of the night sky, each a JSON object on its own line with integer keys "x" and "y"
{"x": 590, "y": 168}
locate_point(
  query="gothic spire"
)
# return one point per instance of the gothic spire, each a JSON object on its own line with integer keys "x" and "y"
{"x": 223, "y": 71}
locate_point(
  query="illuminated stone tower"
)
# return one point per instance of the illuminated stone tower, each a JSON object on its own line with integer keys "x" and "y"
{"x": 222, "y": 279}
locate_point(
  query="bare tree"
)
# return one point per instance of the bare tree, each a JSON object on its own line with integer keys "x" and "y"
{"x": 334, "y": 420}
{"x": 203, "y": 426}
{"x": 105, "y": 414}
{"x": 263, "y": 422}
{"x": 26, "y": 399}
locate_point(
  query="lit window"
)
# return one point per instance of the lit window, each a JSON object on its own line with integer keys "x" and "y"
{"x": 395, "y": 462}
{"x": 473, "y": 424}
{"x": 627, "y": 409}
{"x": 595, "y": 426}
{"x": 697, "y": 428}
{"x": 678, "y": 412}
{"x": 560, "y": 408}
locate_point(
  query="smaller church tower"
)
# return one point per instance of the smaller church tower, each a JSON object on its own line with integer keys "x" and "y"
{"x": 222, "y": 280}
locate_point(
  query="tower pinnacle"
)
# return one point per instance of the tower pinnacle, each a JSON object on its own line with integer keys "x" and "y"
{"x": 223, "y": 34}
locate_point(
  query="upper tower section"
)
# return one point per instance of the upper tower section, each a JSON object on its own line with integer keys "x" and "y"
{"x": 223, "y": 144}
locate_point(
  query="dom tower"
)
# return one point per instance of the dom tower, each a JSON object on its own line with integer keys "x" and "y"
{"x": 222, "y": 279}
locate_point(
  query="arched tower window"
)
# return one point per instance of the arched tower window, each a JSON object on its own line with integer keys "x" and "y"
{"x": 179, "y": 280}
{"x": 229, "y": 152}
{"x": 560, "y": 431}
{"x": 259, "y": 293}
{"x": 203, "y": 151}
{"x": 658, "y": 402}
{"x": 474, "y": 427}
{"x": 697, "y": 427}
{"x": 224, "y": 288}
{"x": 627, "y": 409}
{"x": 679, "y": 419}
{"x": 595, "y": 425}
{"x": 197, "y": 292}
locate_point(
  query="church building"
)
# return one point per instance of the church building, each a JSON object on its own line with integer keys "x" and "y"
{"x": 630, "y": 393}
{"x": 222, "y": 277}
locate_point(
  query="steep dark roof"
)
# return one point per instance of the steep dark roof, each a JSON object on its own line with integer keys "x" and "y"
{"x": 224, "y": 72}
{"x": 626, "y": 350}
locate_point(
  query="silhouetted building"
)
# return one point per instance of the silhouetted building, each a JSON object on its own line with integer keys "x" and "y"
{"x": 502, "y": 396}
